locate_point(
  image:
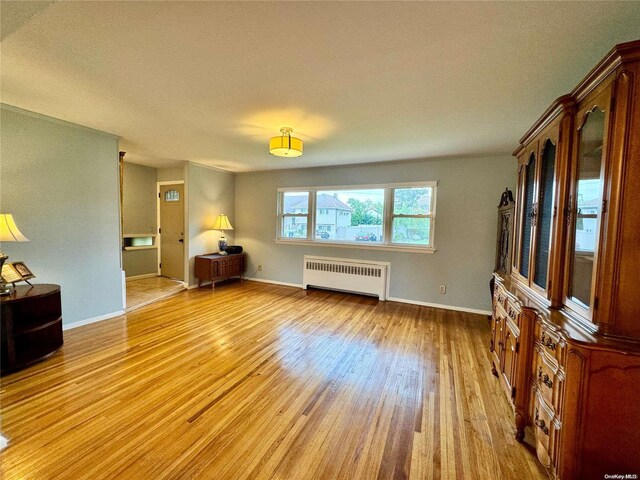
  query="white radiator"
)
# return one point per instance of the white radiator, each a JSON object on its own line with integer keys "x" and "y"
{"x": 356, "y": 276}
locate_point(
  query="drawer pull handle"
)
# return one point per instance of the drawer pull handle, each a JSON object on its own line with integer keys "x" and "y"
{"x": 544, "y": 378}
{"x": 547, "y": 342}
{"x": 512, "y": 314}
{"x": 541, "y": 425}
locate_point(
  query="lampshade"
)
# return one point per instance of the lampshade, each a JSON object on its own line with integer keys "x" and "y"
{"x": 222, "y": 223}
{"x": 285, "y": 145}
{"x": 9, "y": 231}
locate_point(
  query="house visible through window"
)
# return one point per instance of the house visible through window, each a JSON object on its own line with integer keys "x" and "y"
{"x": 400, "y": 215}
{"x": 294, "y": 215}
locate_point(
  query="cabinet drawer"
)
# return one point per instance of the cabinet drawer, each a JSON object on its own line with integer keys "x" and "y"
{"x": 550, "y": 343}
{"x": 228, "y": 270}
{"x": 513, "y": 308}
{"x": 545, "y": 430}
{"x": 500, "y": 296}
{"x": 548, "y": 379}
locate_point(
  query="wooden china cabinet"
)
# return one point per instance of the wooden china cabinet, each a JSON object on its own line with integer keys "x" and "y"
{"x": 573, "y": 295}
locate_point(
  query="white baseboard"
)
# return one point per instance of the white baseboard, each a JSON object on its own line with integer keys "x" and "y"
{"x": 99, "y": 318}
{"x": 439, "y": 305}
{"x": 274, "y": 282}
{"x": 391, "y": 299}
{"x": 146, "y": 275}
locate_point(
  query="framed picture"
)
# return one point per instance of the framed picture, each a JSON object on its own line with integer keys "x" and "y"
{"x": 23, "y": 270}
{"x": 16, "y": 272}
{"x": 10, "y": 274}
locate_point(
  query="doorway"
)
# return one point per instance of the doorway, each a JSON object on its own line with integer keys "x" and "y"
{"x": 171, "y": 229}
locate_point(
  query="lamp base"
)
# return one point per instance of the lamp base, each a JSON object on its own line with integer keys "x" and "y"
{"x": 5, "y": 288}
{"x": 222, "y": 245}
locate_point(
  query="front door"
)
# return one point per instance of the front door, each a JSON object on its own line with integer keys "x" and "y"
{"x": 172, "y": 231}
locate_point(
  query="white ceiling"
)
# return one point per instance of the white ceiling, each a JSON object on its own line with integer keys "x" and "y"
{"x": 359, "y": 82}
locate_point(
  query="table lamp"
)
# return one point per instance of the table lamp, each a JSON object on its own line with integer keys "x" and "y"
{"x": 222, "y": 224}
{"x": 9, "y": 232}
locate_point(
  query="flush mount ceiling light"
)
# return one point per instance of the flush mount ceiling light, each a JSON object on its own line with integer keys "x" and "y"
{"x": 285, "y": 145}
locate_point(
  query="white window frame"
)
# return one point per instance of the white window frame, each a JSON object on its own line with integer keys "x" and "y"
{"x": 388, "y": 216}
{"x": 392, "y": 215}
{"x": 310, "y": 215}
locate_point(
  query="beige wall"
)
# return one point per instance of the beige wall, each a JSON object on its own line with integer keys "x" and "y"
{"x": 169, "y": 174}
{"x": 139, "y": 216}
{"x": 139, "y": 199}
{"x": 468, "y": 192}
{"x": 209, "y": 193}
{"x": 60, "y": 181}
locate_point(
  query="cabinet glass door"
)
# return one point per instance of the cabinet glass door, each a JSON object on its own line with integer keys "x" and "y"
{"x": 587, "y": 207}
{"x": 527, "y": 211}
{"x": 545, "y": 214}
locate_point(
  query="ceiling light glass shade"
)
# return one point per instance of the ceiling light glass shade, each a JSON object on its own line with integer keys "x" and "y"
{"x": 9, "y": 231}
{"x": 285, "y": 145}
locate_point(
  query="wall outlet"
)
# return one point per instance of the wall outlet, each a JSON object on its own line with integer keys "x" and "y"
{"x": 443, "y": 289}
{"x": 259, "y": 268}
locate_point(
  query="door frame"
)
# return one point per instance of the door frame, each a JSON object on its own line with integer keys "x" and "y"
{"x": 184, "y": 219}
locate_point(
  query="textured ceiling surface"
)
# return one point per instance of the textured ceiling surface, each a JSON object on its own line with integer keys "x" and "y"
{"x": 359, "y": 82}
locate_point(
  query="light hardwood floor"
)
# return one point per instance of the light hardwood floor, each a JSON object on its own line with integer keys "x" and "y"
{"x": 263, "y": 381}
{"x": 143, "y": 291}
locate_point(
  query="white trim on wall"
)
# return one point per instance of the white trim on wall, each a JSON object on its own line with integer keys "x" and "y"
{"x": 274, "y": 282}
{"x": 138, "y": 277}
{"x": 123, "y": 281}
{"x": 389, "y": 299}
{"x": 88, "y": 321}
{"x": 426, "y": 183}
{"x": 439, "y": 305}
{"x": 386, "y": 240}
{"x": 352, "y": 245}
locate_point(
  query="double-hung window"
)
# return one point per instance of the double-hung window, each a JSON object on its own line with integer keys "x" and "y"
{"x": 294, "y": 214}
{"x": 412, "y": 216}
{"x": 395, "y": 216}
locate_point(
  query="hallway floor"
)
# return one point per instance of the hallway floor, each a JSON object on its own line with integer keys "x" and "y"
{"x": 143, "y": 291}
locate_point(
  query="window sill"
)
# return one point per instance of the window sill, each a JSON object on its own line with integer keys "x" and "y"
{"x": 392, "y": 248}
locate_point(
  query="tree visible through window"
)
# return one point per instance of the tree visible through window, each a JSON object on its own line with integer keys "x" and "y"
{"x": 389, "y": 215}
{"x": 350, "y": 215}
{"x": 411, "y": 216}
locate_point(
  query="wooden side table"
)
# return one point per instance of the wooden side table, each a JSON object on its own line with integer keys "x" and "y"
{"x": 31, "y": 325}
{"x": 214, "y": 267}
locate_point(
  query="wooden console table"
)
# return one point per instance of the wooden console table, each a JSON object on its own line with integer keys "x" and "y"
{"x": 214, "y": 267}
{"x": 31, "y": 325}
